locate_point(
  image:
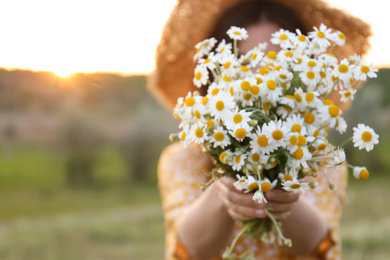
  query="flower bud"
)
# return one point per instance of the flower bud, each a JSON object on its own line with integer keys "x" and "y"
{"x": 174, "y": 137}
{"x": 253, "y": 123}
{"x": 332, "y": 186}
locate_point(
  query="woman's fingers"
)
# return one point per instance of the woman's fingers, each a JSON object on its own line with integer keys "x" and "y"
{"x": 281, "y": 196}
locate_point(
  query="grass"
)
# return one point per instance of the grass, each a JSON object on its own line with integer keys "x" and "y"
{"x": 42, "y": 218}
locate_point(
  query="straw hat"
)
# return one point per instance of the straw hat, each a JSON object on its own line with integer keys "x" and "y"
{"x": 192, "y": 20}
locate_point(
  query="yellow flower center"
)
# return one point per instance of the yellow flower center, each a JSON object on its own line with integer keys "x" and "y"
{"x": 240, "y": 133}
{"x": 283, "y": 37}
{"x": 289, "y": 54}
{"x": 253, "y": 186}
{"x": 365, "y": 69}
{"x": 295, "y": 186}
{"x": 219, "y": 136}
{"x": 245, "y": 68}
{"x": 296, "y": 128}
{"x": 364, "y": 174}
{"x": 265, "y": 186}
{"x": 205, "y": 100}
{"x": 309, "y": 97}
{"x": 310, "y": 75}
{"x": 287, "y": 177}
{"x": 227, "y": 79}
{"x": 190, "y": 101}
{"x": 178, "y": 117}
{"x": 245, "y": 85}
{"x": 316, "y": 133}
{"x": 210, "y": 123}
{"x": 255, "y": 157}
{"x": 342, "y": 36}
{"x": 183, "y": 136}
{"x": 321, "y": 34}
{"x": 277, "y": 135}
{"x": 222, "y": 156}
{"x": 298, "y": 154}
{"x": 254, "y": 56}
{"x": 263, "y": 71}
{"x": 301, "y": 140}
{"x": 238, "y": 159}
{"x": 220, "y": 105}
{"x": 206, "y": 61}
{"x": 334, "y": 111}
{"x": 299, "y": 61}
{"x": 302, "y": 38}
{"x": 309, "y": 118}
{"x": 322, "y": 74}
{"x": 262, "y": 140}
{"x": 237, "y": 33}
{"x": 321, "y": 147}
{"x": 215, "y": 91}
{"x": 237, "y": 118}
{"x": 247, "y": 96}
{"x": 328, "y": 102}
{"x": 231, "y": 90}
{"x": 199, "y": 133}
{"x": 343, "y": 68}
{"x": 272, "y": 55}
{"x": 197, "y": 114}
{"x": 334, "y": 79}
{"x": 258, "y": 81}
{"x": 271, "y": 84}
{"x": 227, "y": 65}
{"x": 311, "y": 64}
{"x": 366, "y": 136}
{"x": 298, "y": 97}
{"x": 255, "y": 90}
{"x": 293, "y": 140}
{"x": 282, "y": 76}
{"x": 198, "y": 75}
{"x": 266, "y": 106}
{"x": 290, "y": 96}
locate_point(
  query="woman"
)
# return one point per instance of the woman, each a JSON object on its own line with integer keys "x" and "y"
{"x": 201, "y": 224}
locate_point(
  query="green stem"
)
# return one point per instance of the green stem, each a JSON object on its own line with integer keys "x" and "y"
{"x": 286, "y": 241}
{"x": 345, "y": 142}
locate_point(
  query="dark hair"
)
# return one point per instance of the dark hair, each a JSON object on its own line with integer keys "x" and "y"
{"x": 252, "y": 12}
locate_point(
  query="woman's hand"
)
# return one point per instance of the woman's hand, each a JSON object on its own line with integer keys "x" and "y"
{"x": 240, "y": 206}
{"x": 281, "y": 202}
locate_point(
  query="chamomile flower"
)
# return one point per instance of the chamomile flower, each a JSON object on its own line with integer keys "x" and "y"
{"x": 204, "y": 47}
{"x": 343, "y": 71}
{"x": 240, "y": 133}
{"x": 338, "y": 159}
{"x": 220, "y": 137}
{"x": 295, "y": 186}
{"x": 228, "y": 64}
{"x": 329, "y": 114}
{"x": 190, "y": 102}
{"x": 224, "y": 48}
{"x": 360, "y": 173}
{"x": 209, "y": 62}
{"x": 276, "y": 132}
{"x": 221, "y": 105}
{"x": 198, "y": 133}
{"x": 201, "y": 76}
{"x": 260, "y": 143}
{"x": 301, "y": 41}
{"x": 266, "y": 185}
{"x": 341, "y": 125}
{"x": 237, "y": 33}
{"x": 311, "y": 99}
{"x": 288, "y": 100}
{"x": 321, "y": 36}
{"x": 295, "y": 124}
{"x": 364, "y": 137}
{"x": 286, "y": 56}
{"x": 347, "y": 94}
{"x": 259, "y": 197}
{"x": 310, "y": 78}
{"x": 252, "y": 182}
{"x": 282, "y": 37}
{"x": 238, "y": 119}
{"x": 241, "y": 183}
{"x": 339, "y": 38}
{"x": 254, "y": 57}
{"x": 270, "y": 88}
{"x": 238, "y": 161}
{"x": 365, "y": 71}
{"x": 300, "y": 157}
{"x": 226, "y": 156}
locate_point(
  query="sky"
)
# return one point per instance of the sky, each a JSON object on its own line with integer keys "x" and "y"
{"x": 67, "y": 36}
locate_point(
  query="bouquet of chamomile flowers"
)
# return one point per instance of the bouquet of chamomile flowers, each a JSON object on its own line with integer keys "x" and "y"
{"x": 266, "y": 115}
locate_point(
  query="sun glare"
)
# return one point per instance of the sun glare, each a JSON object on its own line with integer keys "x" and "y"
{"x": 63, "y": 73}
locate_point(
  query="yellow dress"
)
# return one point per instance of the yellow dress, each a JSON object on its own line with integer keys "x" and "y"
{"x": 180, "y": 174}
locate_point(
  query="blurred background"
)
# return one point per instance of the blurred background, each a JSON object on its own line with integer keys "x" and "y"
{"x": 80, "y": 136}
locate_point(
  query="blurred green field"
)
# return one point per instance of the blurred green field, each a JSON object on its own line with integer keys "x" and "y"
{"x": 43, "y": 218}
